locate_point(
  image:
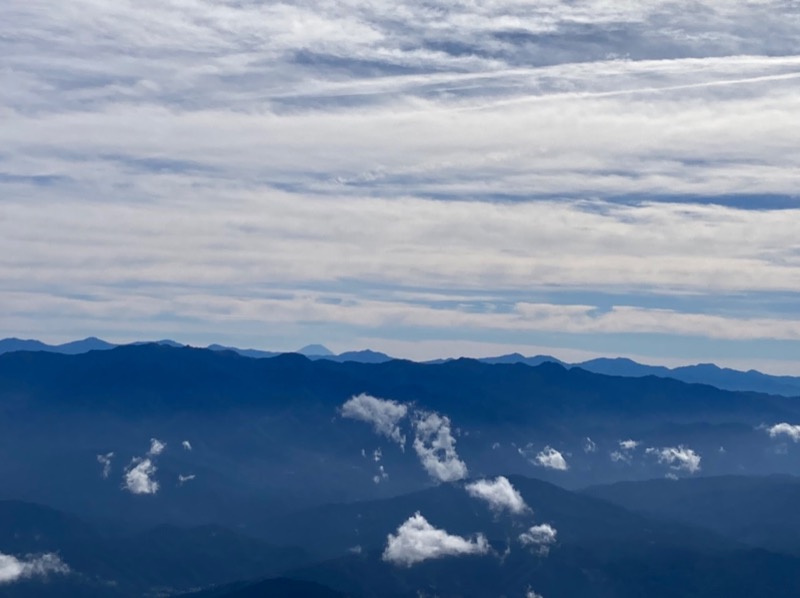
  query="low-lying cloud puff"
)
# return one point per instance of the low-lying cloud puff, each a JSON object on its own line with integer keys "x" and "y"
{"x": 384, "y": 415}
{"x": 589, "y": 445}
{"x": 380, "y": 476}
{"x": 500, "y": 495}
{"x": 619, "y": 457}
{"x": 540, "y": 537}
{"x": 548, "y": 458}
{"x": 105, "y": 461}
{"x": 182, "y": 479}
{"x": 784, "y": 429}
{"x": 139, "y": 477}
{"x": 436, "y": 447}
{"x": 186, "y": 445}
{"x": 531, "y": 594}
{"x": 623, "y": 455}
{"x": 679, "y": 458}
{"x": 156, "y": 447}
{"x": 14, "y": 569}
{"x": 417, "y": 541}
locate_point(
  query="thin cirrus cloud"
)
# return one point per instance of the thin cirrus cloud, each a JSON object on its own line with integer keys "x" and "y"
{"x": 263, "y": 157}
{"x": 499, "y": 494}
{"x": 416, "y": 541}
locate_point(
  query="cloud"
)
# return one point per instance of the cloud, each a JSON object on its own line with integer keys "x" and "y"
{"x": 499, "y": 494}
{"x": 620, "y": 457}
{"x": 679, "y": 458}
{"x": 589, "y": 446}
{"x": 531, "y": 594}
{"x": 182, "y": 479}
{"x": 624, "y": 454}
{"x": 784, "y": 429}
{"x": 436, "y": 447}
{"x": 186, "y": 445}
{"x": 376, "y": 455}
{"x": 15, "y": 569}
{"x": 105, "y": 461}
{"x": 139, "y": 477}
{"x": 548, "y": 457}
{"x": 644, "y": 112}
{"x": 539, "y": 537}
{"x": 380, "y": 476}
{"x": 156, "y": 447}
{"x": 384, "y": 415}
{"x": 417, "y": 540}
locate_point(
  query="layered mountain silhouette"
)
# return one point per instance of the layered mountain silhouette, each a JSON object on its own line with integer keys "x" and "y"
{"x": 711, "y": 374}
{"x": 169, "y": 469}
{"x": 600, "y": 549}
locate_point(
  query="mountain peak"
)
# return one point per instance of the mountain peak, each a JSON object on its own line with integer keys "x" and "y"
{"x": 315, "y": 351}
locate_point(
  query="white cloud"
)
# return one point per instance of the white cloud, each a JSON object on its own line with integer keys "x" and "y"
{"x": 436, "y": 447}
{"x": 270, "y": 147}
{"x": 624, "y": 454}
{"x": 499, "y": 493}
{"x": 539, "y": 537}
{"x": 620, "y": 457}
{"x": 784, "y": 429}
{"x": 548, "y": 457}
{"x": 186, "y": 445}
{"x": 139, "y": 477}
{"x": 531, "y": 594}
{"x": 589, "y": 446}
{"x": 384, "y": 415}
{"x": 417, "y": 540}
{"x": 156, "y": 447}
{"x": 105, "y": 461}
{"x": 182, "y": 479}
{"x": 15, "y": 569}
{"x": 376, "y": 455}
{"x": 679, "y": 458}
{"x": 380, "y": 476}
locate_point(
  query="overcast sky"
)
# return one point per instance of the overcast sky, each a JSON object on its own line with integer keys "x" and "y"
{"x": 425, "y": 178}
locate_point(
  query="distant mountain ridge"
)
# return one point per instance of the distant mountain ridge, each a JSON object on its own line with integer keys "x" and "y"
{"x": 703, "y": 373}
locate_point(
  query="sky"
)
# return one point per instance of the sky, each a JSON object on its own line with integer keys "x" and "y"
{"x": 429, "y": 179}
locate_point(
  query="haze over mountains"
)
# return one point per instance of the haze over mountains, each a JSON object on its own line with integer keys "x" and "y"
{"x": 154, "y": 468}
{"x": 707, "y": 373}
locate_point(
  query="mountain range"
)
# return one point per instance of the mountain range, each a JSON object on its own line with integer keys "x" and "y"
{"x": 154, "y": 469}
{"x": 704, "y": 373}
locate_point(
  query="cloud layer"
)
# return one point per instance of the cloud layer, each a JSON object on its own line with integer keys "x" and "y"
{"x": 574, "y": 158}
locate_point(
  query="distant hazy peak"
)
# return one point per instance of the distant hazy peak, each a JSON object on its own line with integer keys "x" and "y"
{"x": 315, "y": 351}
